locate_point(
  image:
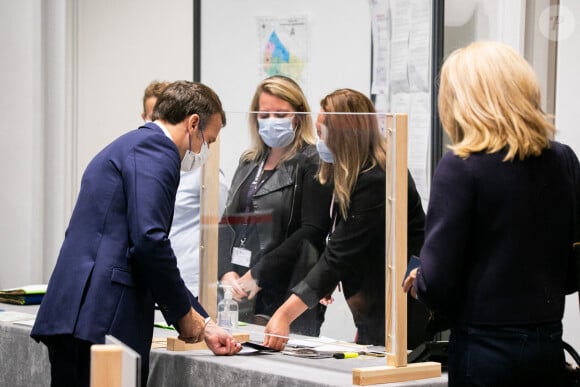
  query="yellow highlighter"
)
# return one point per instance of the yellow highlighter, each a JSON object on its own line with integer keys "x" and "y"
{"x": 345, "y": 355}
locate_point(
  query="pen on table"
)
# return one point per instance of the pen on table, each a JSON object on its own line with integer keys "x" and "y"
{"x": 345, "y": 355}
{"x": 373, "y": 353}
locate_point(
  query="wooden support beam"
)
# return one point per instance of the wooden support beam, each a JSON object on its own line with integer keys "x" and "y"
{"x": 209, "y": 220}
{"x": 396, "y": 240}
{"x": 390, "y": 374}
{"x": 106, "y": 363}
{"x": 397, "y": 369}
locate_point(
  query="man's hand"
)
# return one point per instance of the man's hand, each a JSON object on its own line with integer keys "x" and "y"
{"x": 247, "y": 283}
{"x": 219, "y": 341}
{"x": 191, "y": 327}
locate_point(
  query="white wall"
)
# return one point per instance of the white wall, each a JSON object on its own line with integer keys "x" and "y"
{"x": 567, "y": 104}
{"x": 568, "y": 81}
{"x": 122, "y": 46}
{"x": 537, "y": 50}
{"x": 58, "y": 78}
{"x": 73, "y": 74}
{"x": 21, "y": 151}
{"x": 492, "y": 20}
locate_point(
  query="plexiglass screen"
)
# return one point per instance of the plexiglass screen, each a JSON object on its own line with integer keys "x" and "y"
{"x": 306, "y": 221}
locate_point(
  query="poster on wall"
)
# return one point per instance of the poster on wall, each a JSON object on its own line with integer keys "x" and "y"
{"x": 283, "y": 47}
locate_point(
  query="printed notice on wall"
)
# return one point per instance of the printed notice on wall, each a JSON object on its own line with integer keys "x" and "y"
{"x": 401, "y": 74}
{"x": 283, "y": 47}
{"x": 381, "y": 27}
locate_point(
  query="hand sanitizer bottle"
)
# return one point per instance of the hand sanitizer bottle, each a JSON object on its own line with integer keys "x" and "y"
{"x": 228, "y": 311}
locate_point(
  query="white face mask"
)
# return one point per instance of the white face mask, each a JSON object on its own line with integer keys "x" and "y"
{"x": 276, "y": 132}
{"x": 323, "y": 152}
{"x": 193, "y": 160}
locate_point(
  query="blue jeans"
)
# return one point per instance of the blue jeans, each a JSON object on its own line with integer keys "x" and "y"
{"x": 506, "y": 356}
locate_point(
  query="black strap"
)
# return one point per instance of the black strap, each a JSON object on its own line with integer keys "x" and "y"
{"x": 576, "y": 231}
{"x": 568, "y": 348}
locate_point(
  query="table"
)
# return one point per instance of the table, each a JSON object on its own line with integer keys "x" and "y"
{"x": 23, "y": 363}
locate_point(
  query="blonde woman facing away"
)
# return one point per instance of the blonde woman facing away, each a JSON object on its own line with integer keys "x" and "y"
{"x": 496, "y": 259}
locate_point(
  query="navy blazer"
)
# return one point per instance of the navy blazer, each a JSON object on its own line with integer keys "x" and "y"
{"x": 116, "y": 260}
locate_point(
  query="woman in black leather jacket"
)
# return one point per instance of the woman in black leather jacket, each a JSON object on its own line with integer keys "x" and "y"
{"x": 276, "y": 218}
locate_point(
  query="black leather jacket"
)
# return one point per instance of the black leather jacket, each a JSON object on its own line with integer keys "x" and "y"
{"x": 355, "y": 255}
{"x": 286, "y": 228}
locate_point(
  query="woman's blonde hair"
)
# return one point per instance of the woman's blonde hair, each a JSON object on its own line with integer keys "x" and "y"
{"x": 354, "y": 140}
{"x": 289, "y": 91}
{"x": 489, "y": 100}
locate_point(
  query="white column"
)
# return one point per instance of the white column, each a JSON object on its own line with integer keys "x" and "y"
{"x": 60, "y": 105}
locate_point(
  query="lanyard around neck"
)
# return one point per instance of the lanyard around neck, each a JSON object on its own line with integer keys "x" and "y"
{"x": 252, "y": 189}
{"x": 254, "y": 186}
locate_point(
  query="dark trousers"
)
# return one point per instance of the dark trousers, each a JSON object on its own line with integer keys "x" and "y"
{"x": 506, "y": 356}
{"x": 70, "y": 361}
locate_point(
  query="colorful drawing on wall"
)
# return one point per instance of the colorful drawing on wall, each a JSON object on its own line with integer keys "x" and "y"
{"x": 283, "y": 47}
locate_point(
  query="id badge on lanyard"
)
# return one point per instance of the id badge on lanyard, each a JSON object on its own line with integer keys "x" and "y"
{"x": 240, "y": 255}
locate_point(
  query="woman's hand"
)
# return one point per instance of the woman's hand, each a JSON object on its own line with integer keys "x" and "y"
{"x": 278, "y": 327}
{"x": 277, "y": 332}
{"x": 247, "y": 283}
{"x": 231, "y": 279}
{"x": 409, "y": 282}
{"x": 327, "y": 300}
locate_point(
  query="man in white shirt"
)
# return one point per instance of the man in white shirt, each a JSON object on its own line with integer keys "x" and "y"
{"x": 185, "y": 229}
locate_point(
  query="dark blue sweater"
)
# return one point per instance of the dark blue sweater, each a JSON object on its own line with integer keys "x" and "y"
{"x": 498, "y": 237}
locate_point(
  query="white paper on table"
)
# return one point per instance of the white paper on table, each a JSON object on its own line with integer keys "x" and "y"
{"x": 9, "y": 316}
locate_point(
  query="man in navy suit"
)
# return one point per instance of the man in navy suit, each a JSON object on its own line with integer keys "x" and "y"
{"x": 116, "y": 260}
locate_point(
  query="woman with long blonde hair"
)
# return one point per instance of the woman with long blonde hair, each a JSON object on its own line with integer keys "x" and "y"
{"x": 353, "y": 153}
{"x": 275, "y": 222}
{"x": 496, "y": 260}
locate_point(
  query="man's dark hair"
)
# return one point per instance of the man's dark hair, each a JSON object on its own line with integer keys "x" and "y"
{"x": 183, "y": 98}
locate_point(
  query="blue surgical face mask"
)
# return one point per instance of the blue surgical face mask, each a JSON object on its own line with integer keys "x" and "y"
{"x": 276, "y": 132}
{"x": 323, "y": 151}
